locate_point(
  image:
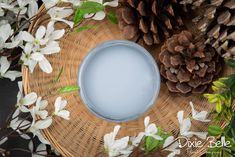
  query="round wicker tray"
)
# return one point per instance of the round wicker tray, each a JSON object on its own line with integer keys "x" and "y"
{"x": 82, "y": 135}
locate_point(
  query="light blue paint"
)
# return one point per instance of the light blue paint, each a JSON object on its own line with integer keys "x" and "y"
{"x": 119, "y": 80}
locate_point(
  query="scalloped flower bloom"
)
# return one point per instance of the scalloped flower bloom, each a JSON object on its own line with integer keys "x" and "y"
{"x": 199, "y": 116}
{"x": 23, "y": 102}
{"x": 37, "y": 126}
{"x": 59, "y": 14}
{"x": 116, "y": 147}
{"x": 185, "y": 125}
{"x": 39, "y": 109}
{"x": 59, "y": 109}
{"x": 151, "y": 129}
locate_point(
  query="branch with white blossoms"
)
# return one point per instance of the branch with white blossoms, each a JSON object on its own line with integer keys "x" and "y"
{"x": 153, "y": 139}
{"x": 31, "y": 48}
{"x": 30, "y": 118}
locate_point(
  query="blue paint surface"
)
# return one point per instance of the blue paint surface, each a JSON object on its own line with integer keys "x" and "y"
{"x": 119, "y": 80}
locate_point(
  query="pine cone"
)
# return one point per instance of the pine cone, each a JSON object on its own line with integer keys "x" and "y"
{"x": 191, "y": 4}
{"x": 187, "y": 64}
{"x": 217, "y": 21}
{"x": 149, "y": 20}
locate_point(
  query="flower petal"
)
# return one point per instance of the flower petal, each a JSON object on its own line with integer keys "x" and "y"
{"x": 57, "y": 34}
{"x": 4, "y": 65}
{"x": 180, "y": 116}
{"x": 32, "y": 9}
{"x": 31, "y": 65}
{"x": 26, "y": 36}
{"x": 151, "y": 129}
{"x": 51, "y": 48}
{"x": 45, "y": 66}
{"x": 5, "y": 32}
{"x": 115, "y": 131}
{"x": 121, "y": 143}
{"x": 113, "y": 3}
{"x": 99, "y": 16}
{"x": 168, "y": 141}
{"x": 186, "y": 125}
{"x": 70, "y": 23}
{"x": 201, "y": 135}
{"x": 40, "y": 32}
{"x": 43, "y": 124}
{"x": 30, "y": 146}
{"x": 41, "y": 138}
{"x": 37, "y": 56}
{"x": 146, "y": 121}
{"x": 12, "y": 75}
{"x": 29, "y": 99}
{"x": 12, "y": 44}
{"x": 58, "y": 104}
{"x": 64, "y": 114}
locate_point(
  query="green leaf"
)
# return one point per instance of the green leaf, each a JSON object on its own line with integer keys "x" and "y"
{"x": 59, "y": 75}
{"x": 83, "y": 28}
{"x": 68, "y": 89}
{"x": 219, "y": 84}
{"x": 230, "y": 62}
{"x": 112, "y": 17}
{"x": 214, "y": 130}
{"x": 78, "y": 16}
{"x": 218, "y": 106}
{"x": 87, "y": 7}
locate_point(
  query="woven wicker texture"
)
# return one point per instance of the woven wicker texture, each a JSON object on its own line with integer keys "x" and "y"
{"x": 82, "y": 136}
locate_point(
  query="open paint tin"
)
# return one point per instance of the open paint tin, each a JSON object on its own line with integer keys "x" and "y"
{"x": 119, "y": 80}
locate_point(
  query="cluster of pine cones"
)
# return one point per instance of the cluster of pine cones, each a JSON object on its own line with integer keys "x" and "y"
{"x": 189, "y": 62}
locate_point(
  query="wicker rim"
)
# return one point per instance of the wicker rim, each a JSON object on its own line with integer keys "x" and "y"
{"x": 65, "y": 150}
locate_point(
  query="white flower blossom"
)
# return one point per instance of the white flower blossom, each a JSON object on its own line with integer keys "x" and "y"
{"x": 150, "y": 129}
{"x": 28, "y": 58}
{"x": 4, "y": 72}
{"x": 116, "y": 147}
{"x": 38, "y": 39}
{"x": 5, "y": 4}
{"x": 59, "y": 14}
{"x": 5, "y": 33}
{"x": 101, "y": 14}
{"x": 23, "y": 102}
{"x": 44, "y": 43}
{"x": 37, "y": 126}
{"x": 31, "y": 58}
{"x": 172, "y": 147}
{"x": 39, "y": 109}
{"x": 52, "y": 34}
{"x": 59, "y": 108}
{"x": 199, "y": 116}
{"x": 185, "y": 125}
{"x": 18, "y": 7}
